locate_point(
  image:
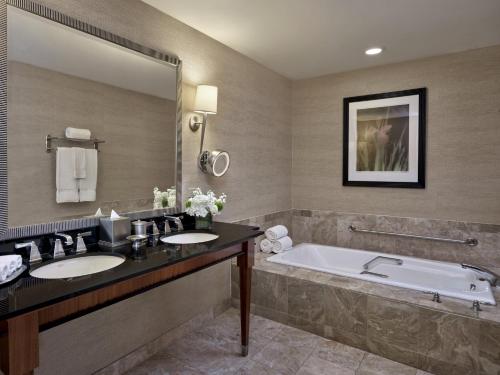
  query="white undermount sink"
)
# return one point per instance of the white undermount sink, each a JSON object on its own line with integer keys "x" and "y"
{"x": 78, "y": 266}
{"x": 188, "y": 238}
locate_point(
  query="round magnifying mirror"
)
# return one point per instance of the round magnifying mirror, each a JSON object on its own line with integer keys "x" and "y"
{"x": 215, "y": 163}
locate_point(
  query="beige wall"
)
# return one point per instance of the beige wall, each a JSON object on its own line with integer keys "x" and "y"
{"x": 138, "y": 155}
{"x": 253, "y": 118}
{"x": 463, "y": 140}
{"x": 253, "y": 124}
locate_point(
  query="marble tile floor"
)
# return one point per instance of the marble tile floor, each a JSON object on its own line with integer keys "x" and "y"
{"x": 275, "y": 349}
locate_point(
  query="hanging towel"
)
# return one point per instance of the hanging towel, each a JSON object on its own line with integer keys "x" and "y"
{"x": 266, "y": 246}
{"x": 282, "y": 244}
{"x": 66, "y": 185}
{"x": 278, "y": 231}
{"x": 88, "y": 184}
{"x": 77, "y": 133}
{"x": 79, "y": 164}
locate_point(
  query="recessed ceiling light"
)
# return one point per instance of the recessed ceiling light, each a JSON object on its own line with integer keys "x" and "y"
{"x": 373, "y": 51}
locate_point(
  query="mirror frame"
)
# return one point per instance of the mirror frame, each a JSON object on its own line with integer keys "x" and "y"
{"x": 7, "y": 232}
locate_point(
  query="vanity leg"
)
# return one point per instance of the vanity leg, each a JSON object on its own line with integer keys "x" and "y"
{"x": 245, "y": 263}
{"x": 19, "y": 344}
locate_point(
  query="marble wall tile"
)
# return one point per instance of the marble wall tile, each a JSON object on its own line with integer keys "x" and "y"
{"x": 489, "y": 348}
{"x": 302, "y": 229}
{"x": 345, "y": 337}
{"x": 395, "y": 323}
{"x": 450, "y": 338}
{"x": 306, "y": 300}
{"x": 270, "y": 290}
{"x": 345, "y": 310}
{"x": 324, "y": 228}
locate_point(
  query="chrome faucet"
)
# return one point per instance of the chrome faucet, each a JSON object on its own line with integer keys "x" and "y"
{"x": 33, "y": 252}
{"x": 484, "y": 273}
{"x": 176, "y": 220}
{"x": 68, "y": 240}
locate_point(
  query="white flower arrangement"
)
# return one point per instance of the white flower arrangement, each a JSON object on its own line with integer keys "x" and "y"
{"x": 163, "y": 199}
{"x": 201, "y": 205}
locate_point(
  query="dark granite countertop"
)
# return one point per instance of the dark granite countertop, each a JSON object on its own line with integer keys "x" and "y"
{"x": 28, "y": 293}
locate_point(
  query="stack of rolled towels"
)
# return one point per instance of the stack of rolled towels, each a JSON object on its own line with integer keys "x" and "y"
{"x": 9, "y": 264}
{"x": 277, "y": 240}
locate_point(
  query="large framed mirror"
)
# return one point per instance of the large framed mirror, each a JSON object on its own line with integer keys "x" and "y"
{"x": 88, "y": 120}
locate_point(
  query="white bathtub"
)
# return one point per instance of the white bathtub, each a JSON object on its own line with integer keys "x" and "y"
{"x": 447, "y": 279}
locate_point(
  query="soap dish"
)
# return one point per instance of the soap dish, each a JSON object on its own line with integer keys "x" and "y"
{"x": 13, "y": 276}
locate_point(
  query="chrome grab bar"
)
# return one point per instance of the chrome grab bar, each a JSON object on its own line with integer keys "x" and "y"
{"x": 377, "y": 259}
{"x": 467, "y": 241}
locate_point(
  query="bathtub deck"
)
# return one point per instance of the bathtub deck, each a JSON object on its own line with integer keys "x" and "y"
{"x": 399, "y": 324}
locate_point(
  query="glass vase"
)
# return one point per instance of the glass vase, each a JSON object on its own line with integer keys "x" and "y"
{"x": 204, "y": 222}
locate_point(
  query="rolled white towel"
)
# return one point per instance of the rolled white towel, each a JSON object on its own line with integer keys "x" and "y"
{"x": 77, "y": 133}
{"x": 266, "y": 246}
{"x": 282, "y": 244}
{"x": 276, "y": 232}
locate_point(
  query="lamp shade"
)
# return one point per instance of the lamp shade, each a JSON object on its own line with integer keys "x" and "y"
{"x": 206, "y": 99}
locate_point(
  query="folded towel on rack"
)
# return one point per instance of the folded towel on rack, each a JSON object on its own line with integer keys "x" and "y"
{"x": 79, "y": 164}
{"x": 282, "y": 244}
{"x": 266, "y": 246}
{"x": 77, "y": 133}
{"x": 278, "y": 231}
{"x": 66, "y": 185}
{"x": 88, "y": 184}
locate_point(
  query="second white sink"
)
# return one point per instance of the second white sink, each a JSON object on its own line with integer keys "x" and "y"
{"x": 78, "y": 266}
{"x": 187, "y": 238}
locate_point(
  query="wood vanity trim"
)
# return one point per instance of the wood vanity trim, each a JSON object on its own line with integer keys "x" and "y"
{"x": 19, "y": 335}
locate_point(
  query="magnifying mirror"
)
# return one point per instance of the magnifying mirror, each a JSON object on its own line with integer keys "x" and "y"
{"x": 215, "y": 163}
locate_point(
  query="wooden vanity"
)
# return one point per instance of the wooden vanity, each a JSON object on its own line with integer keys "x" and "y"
{"x": 20, "y": 330}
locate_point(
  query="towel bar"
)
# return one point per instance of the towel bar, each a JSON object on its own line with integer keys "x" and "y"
{"x": 467, "y": 241}
{"x": 49, "y": 139}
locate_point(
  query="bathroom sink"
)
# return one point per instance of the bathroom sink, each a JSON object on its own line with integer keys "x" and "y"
{"x": 78, "y": 266}
{"x": 188, "y": 238}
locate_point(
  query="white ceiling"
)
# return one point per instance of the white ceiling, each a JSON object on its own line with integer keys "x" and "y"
{"x": 308, "y": 38}
{"x": 46, "y": 44}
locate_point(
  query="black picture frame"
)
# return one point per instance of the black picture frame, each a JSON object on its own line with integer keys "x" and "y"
{"x": 422, "y": 120}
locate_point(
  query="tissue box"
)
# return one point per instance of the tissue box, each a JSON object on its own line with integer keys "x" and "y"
{"x": 114, "y": 232}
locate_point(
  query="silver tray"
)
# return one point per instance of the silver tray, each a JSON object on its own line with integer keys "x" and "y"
{"x": 18, "y": 272}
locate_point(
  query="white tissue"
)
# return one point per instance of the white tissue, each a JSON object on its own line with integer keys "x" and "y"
{"x": 99, "y": 212}
{"x": 114, "y": 215}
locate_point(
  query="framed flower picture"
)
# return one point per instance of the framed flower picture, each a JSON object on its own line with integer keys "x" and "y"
{"x": 384, "y": 139}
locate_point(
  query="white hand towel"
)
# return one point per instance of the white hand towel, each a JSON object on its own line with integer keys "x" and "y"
{"x": 66, "y": 185}
{"x": 278, "y": 231}
{"x": 4, "y": 272}
{"x": 282, "y": 244}
{"x": 266, "y": 246}
{"x": 79, "y": 164}
{"x": 88, "y": 184}
{"x": 77, "y": 133}
{"x": 9, "y": 264}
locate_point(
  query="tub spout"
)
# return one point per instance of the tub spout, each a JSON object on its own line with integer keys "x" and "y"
{"x": 484, "y": 273}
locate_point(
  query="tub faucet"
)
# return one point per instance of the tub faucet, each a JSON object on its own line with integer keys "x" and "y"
{"x": 484, "y": 273}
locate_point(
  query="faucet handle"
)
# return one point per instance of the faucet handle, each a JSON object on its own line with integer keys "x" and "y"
{"x": 80, "y": 243}
{"x": 34, "y": 251}
{"x": 58, "y": 249}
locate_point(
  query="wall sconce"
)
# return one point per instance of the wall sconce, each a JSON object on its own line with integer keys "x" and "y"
{"x": 216, "y": 162}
